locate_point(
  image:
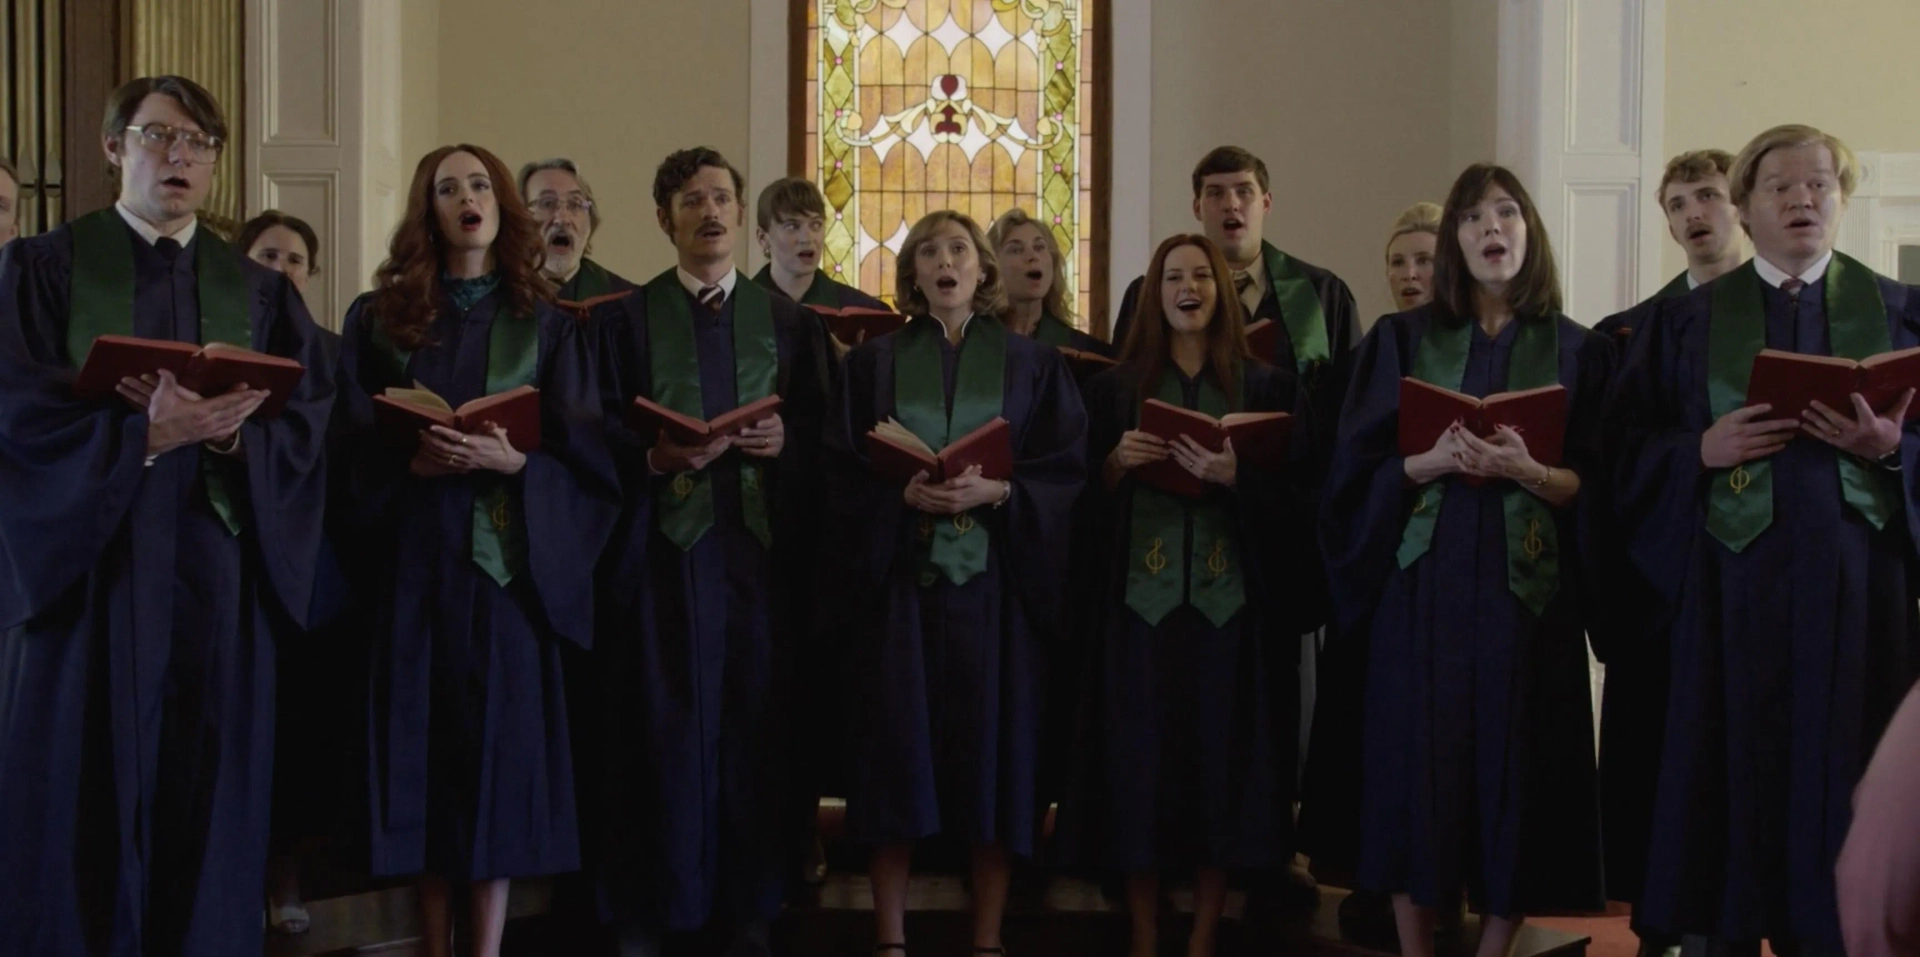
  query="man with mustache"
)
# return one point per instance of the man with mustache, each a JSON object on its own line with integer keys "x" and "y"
{"x": 705, "y": 604}
{"x": 562, "y": 203}
{"x": 156, "y": 548}
{"x": 1780, "y": 544}
{"x": 793, "y": 218}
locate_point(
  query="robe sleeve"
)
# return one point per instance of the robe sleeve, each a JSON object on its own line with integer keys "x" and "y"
{"x": 864, "y": 513}
{"x": 1049, "y": 470}
{"x": 70, "y": 468}
{"x": 1276, "y": 507}
{"x": 569, "y": 489}
{"x": 1655, "y": 494}
{"x": 372, "y": 470}
{"x": 286, "y": 461}
{"x": 1365, "y": 498}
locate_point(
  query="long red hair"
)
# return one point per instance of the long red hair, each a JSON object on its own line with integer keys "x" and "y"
{"x": 406, "y": 288}
{"x": 1148, "y": 345}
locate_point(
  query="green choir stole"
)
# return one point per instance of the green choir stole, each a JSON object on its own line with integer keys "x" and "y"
{"x": 1300, "y": 310}
{"x": 1533, "y": 543}
{"x": 1740, "y": 499}
{"x": 1163, "y": 571}
{"x": 101, "y": 303}
{"x": 513, "y": 359}
{"x": 685, "y": 501}
{"x": 955, "y": 547}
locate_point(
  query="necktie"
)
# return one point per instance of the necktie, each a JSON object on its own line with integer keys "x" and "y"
{"x": 712, "y": 296}
{"x": 1243, "y": 288}
{"x": 168, "y": 248}
{"x": 1792, "y": 288}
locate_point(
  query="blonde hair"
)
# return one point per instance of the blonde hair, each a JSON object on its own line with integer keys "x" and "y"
{"x": 1746, "y": 166}
{"x": 989, "y": 299}
{"x": 1422, "y": 217}
{"x": 1055, "y": 304}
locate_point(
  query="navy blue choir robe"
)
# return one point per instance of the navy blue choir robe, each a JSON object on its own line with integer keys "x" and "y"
{"x": 1477, "y": 766}
{"x": 825, "y": 289}
{"x": 946, "y": 683}
{"x": 137, "y": 637}
{"x": 1178, "y": 762}
{"x": 1786, "y": 660}
{"x": 699, "y": 647}
{"x": 470, "y": 767}
{"x": 570, "y": 291}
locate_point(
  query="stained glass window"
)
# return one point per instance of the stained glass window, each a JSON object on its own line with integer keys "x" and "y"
{"x": 973, "y": 105}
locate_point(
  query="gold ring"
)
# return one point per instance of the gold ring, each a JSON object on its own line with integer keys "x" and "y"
{"x": 463, "y": 440}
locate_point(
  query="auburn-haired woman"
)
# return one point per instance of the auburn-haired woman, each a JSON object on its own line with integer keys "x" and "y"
{"x": 485, "y": 548}
{"x": 1184, "y": 768}
{"x": 951, "y": 589}
{"x": 1478, "y": 768}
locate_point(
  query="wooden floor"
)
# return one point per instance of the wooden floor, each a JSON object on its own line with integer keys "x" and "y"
{"x": 1055, "y": 917}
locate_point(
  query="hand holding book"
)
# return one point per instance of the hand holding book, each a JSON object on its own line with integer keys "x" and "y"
{"x": 178, "y": 417}
{"x": 445, "y": 451}
{"x": 1865, "y": 433}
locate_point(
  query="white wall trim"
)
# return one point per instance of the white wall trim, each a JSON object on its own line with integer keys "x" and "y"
{"x": 768, "y": 124}
{"x": 1130, "y": 239}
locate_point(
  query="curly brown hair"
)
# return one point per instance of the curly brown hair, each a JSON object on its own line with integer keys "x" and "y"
{"x": 406, "y": 288}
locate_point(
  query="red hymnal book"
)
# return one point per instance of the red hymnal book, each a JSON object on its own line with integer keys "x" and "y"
{"x": 899, "y": 455}
{"x": 1263, "y": 339}
{"x": 1790, "y": 381}
{"x": 647, "y": 416}
{"x": 403, "y": 413}
{"x": 856, "y": 324}
{"x": 1539, "y": 415}
{"x": 583, "y": 309}
{"x": 1258, "y": 437}
{"x": 209, "y": 370}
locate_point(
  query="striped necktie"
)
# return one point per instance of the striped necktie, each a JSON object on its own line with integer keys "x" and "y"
{"x": 712, "y": 296}
{"x": 1792, "y": 288}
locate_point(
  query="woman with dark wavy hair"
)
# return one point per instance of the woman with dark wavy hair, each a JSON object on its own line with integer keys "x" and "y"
{"x": 1459, "y": 567}
{"x": 477, "y": 556}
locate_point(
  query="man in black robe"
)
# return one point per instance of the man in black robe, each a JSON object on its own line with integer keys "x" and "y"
{"x": 792, "y": 219}
{"x": 1782, "y": 549}
{"x": 703, "y": 603}
{"x": 562, "y": 204}
{"x": 1697, "y": 201}
{"x": 154, "y": 547}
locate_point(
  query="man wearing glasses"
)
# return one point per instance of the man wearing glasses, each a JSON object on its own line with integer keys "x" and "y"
{"x": 562, "y": 203}
{"x": 155, "y": 546}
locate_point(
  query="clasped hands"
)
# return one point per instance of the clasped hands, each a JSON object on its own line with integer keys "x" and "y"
{"x": 1139, "y": 448}
{"x": 762, "y": 440}
{"x": 178, "y": 417}
{"x": 1502, "y": 455}
{"x": 1742, "y": 436}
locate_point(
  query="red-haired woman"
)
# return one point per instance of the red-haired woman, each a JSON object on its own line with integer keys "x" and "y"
{"x": 480, "y": 556}
{"x": 1185, "y": 769}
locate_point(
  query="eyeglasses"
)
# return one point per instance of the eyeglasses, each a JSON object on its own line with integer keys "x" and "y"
{"x": 159, "y": 138}
{"x": 547, "y": 205}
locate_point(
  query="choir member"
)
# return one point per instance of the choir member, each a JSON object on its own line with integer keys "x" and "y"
{"x": 1410, "y": 246}
{"x": 9, "y": 202}
{"x": 1695, "y": 198}
{"x": 309, "y": 681}
{"x": 1193, "y": 595}
{"x": 1781, "y": 550}
{"x": 284, "y": 244}
{"x": 157, "y": 547}
{"x": 563, "y": 207}
{"x": 792, "y": 219}
{"x": 1034, "y": 269}
{"x": 949, "y": 592}
{"x": 1477, "y": 761}
{"x": 483, "y": 553}
{"x": 705, "y": 605}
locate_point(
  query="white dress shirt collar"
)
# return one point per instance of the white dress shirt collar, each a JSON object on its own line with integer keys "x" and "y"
{"x": 183, "y": 235}
{"x": 1773, "y": 275}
